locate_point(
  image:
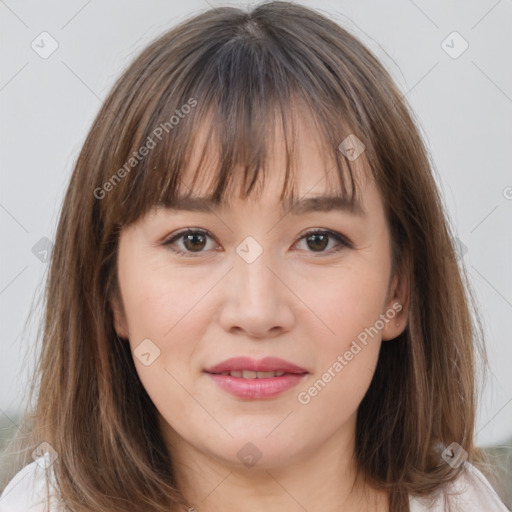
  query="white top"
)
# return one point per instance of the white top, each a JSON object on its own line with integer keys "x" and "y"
{"x": 471, "y": 492}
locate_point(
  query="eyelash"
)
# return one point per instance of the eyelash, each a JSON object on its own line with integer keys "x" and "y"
{"x": 344, "y": 243}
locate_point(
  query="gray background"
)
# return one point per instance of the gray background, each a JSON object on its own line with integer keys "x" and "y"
{"x": 464, "y": 105}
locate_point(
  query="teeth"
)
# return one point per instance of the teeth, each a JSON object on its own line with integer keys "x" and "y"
{"x": 264, "y": 375}
{"x": 249, "y": 374}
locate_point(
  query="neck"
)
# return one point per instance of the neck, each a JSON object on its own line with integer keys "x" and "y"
{"x": 324, "y": 479}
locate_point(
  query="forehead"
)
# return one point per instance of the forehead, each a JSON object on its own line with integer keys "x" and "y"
{"x": 313, "y": 171}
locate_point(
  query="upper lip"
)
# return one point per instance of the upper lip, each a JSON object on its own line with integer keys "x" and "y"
{"x": 267, "y": 364}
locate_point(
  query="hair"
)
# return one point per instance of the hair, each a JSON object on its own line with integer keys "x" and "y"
{"x": 238, "y": 74}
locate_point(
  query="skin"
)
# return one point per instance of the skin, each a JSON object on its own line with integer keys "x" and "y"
{"x": 295, "y": 302}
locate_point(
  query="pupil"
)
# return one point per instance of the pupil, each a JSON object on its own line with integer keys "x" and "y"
{"x": 323, "y": 239}
{"x": 193, "y": 238}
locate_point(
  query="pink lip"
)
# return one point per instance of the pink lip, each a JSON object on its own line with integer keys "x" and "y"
{"x": 256, "y": 388}
{"x": 267, "y": 364}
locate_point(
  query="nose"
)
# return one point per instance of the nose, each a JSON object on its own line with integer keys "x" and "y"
{"x": 257, "y": 301}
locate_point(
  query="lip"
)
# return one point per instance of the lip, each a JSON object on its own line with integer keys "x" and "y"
{"x": 256, "y": 389}
{"x": 267, "y": 364}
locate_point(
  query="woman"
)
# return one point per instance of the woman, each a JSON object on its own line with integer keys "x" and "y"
{"x": 254, "y": 300}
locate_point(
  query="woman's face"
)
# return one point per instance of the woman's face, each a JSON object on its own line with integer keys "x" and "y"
{"x": 254, "y": 283}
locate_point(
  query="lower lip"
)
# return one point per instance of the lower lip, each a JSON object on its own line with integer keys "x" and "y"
{"x": 254, "y": 389}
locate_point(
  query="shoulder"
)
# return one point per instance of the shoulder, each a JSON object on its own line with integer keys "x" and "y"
{"x": 28, "y": 489}
{"x": 470, "y": 492}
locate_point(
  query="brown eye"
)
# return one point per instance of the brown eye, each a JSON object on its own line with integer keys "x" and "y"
{"x": 194, "y": 241}
{"x": 189, "y": 242}
{"x": 318, "y": 240}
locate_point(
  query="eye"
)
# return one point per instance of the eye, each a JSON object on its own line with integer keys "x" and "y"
{"x": 194, "y": 241}
{"x": 318, "y": 240}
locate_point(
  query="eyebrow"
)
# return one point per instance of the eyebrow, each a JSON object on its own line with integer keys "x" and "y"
{"x": 323, "y": 203}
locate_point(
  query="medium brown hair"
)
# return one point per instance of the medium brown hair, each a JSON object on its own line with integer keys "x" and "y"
{"x": 240, "y": 73}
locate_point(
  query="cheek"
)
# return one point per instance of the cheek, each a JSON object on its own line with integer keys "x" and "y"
{"x": 159, "y": 301}
{"x": 345, "y": 360}
{"x": 348, "y": 343}
{"x": 169, "y": 312}
{"x": 164, "y": 311}
{"x": 347, "y": 305}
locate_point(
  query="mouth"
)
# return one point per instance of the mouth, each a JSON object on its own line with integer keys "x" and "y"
{"x": 250, "y": 379}
{"x": 249, "y": 374}
{"x": 249, "y": 368}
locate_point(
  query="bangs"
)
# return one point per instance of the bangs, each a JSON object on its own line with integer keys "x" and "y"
{"x": 220, "y": 120}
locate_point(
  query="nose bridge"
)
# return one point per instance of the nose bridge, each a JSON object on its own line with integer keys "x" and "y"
{"x": 257, "y": 282}
{"x": 256, "y": 301}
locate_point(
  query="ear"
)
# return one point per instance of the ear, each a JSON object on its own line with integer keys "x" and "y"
{"x": 119, "y": 316}
{"x": 397, "y": 306}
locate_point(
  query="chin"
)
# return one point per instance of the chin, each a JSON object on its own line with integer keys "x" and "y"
{"x": 256, "y": 449}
